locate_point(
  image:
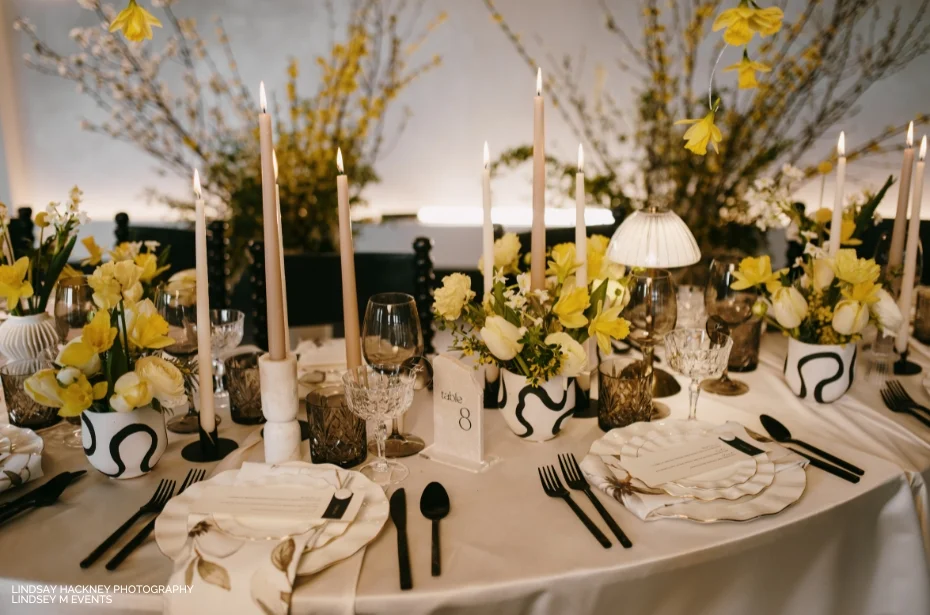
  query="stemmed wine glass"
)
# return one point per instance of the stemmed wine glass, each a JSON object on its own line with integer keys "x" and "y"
{"x": 227, "y": 328}
{"x": 726, "y": 308}
{"x": 697, "y": 354}
{"x": 391, "y": 340}
{"x": 652, "y": 311}
{"x": 176, "y": 301}
{"x": 74, "y": 308}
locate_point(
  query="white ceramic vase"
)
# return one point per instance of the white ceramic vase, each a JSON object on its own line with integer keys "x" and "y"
{"x": 26, "y": 337}
{"x": 535, "y": 413}
{"x": 124, "y": 444}
{"x": 820, "y": 372}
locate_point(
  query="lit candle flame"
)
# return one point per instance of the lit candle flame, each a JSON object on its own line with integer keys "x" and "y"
{"x": 197, "y": 191}
{"x": 580, "y": 158}
{"x": 274, "y": 164}
{"x": 923, "y": 149}
{"x": 339, "y": 161}
{"x": 262, "y": 101}
{"x": 539, "y": 82}
{"x": 841, "y": 145}
{"x": 910, "y": 134}
{"x": 487, "y": 155}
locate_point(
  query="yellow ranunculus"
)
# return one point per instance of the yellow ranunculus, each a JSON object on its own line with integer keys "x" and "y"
{"x": 743, "y": 21}
{"x": 145, "y": 326}
{"x": 449, "y": 300}
{"x": 130, "y": 392}
{"x": 42, "y": 219}
{"x": 562, "y": 261}
{"x": 164, "y": 379}
{"x": 135, "y": 22}
{"x": 756, "y": 272}
{"x": 606, "y": 325}
{"x": 148, "y": 262}
{"x": 849, "y": 268}
{"x": 747, "y": 71}
{"x": 98, "y": 334}
{"x": 13, "y": 283}
{"x": 702, "y": 133}
{"x": 95, "y": 252}
{"x": 866, "y": 293}
{"x": 571, "y": 306}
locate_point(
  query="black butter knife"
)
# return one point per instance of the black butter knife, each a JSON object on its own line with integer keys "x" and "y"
{"x": 827, "y": 467}
{"x": 46, "y": 495}
{"x": 399, "y": 517}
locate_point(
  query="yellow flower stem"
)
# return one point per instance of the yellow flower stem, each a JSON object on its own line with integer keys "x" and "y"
{"x": 710, "y": 87}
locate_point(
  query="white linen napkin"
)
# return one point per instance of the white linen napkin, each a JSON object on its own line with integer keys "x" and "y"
{"x": 18, "y": 468}
{"x": 319, "y": 363}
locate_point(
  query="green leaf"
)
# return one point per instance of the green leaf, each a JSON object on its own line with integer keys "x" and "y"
{"x": 51, "y": 274}
{"x": 867, "y": 211}
{"x": 598, "y": 297}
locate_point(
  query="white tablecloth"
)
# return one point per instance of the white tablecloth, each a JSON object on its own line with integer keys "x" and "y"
{"x": 507, "y": 548}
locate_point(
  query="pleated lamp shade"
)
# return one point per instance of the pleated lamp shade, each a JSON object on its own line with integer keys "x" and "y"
{"x": 654, "y": 239}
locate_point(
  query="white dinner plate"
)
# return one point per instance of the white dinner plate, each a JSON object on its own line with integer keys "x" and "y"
{"x": 337, "y": 541}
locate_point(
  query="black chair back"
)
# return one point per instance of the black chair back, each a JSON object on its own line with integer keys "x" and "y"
{"x": 22, "y": 232}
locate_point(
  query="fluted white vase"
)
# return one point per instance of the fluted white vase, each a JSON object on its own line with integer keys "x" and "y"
{"x": 27, "y": 337}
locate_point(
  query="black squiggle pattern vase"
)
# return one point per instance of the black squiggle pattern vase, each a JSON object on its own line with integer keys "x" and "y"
{"x": 822, "y": 373}
{"x": 535, "y": 413}
{"x": 124, "y": 444}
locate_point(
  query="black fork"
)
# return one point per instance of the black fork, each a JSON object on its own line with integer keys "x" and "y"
{"x": 903, "y": 398}
{"x": 162, "y": 494}
{"x": 895, "y": 406}
{"x": 576, "y": 480}
{"x": 554, "y": 489}
{"x": 193, "y": 476}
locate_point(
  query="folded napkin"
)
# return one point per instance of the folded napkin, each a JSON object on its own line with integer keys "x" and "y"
{"x": 319, "y": 363}
{"x": 251, "y": 571}
{"x": 19, "y": 463}
{"x": 645, "y": 502}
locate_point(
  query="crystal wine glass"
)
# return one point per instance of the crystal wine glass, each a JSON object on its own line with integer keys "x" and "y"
{"x": 652, "y": 311}
{"x": 176, "y": 301}
{"x": 380, "y": 396}
{"x": 392, "y": 339}
{"x": 74, "y": 308}
{"x": 726, "y": 308}
{"x": 227, "y": 328}
{"x": 698, "y": 355}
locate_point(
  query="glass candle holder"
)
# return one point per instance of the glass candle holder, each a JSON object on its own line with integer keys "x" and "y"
{"x": 922, "y": 315}
{"x": 23, "y": 411}
{"x": 337, "y": 435}
{"x": 245, "y": 392}
{"x": 625, "y": 393}
{"x": 747, "y": 337}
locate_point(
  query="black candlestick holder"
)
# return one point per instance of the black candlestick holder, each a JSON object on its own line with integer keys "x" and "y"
{"x": 492, "y": 392}
{"x": 209, "y": 447}
{"x": 903, "y": 367}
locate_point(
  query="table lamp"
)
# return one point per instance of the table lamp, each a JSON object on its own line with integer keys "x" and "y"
{"x": 655, "y": 238}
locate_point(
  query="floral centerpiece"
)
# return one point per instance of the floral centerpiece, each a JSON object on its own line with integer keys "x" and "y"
{"x": 113, "y": 376}
{"x": 536, "y": 336}
{"x": 27, "y": 282}
{"x": 144, "y": 254}
{"x": 824, "y": 308}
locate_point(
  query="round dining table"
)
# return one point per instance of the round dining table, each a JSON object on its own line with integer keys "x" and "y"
{"x": 507, "y": 548}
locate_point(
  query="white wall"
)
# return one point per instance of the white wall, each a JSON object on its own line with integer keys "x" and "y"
{"x": 483, "y": 91}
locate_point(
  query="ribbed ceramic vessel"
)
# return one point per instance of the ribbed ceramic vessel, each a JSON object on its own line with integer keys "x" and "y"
{"x": 653, "y": 239}
{"x": 27, "y": 337}
{"x": 535, "y": 413}
{"x": 820, "y": 372}
{"x": 124, "y": 444}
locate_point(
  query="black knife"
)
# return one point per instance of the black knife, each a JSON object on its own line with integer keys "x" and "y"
{"x": 399, "y": 517}
{"x": 46, "y": 495}
{"x": 827, "y": 467}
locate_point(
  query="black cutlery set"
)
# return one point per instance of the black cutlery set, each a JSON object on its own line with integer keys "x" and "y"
{"x": 434, "y": 506}
{"x": 830, "y": 463}
{"x": 898, "y": 400}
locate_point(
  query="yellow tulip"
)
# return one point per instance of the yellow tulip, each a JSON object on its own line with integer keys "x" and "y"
{"x": 13, "y": 283}
{"x": 744, "y": 21}
{"x": 606, "y": 325}
{"x": 571, "y": 306}
{"x": 95, "y": 252}
{"x": 135, "y": 22}
{"x": 562, "y": 263}
{"x": 130, "y": 392}
{"x": 145, "y": 326}
{"x": 756, "y": 272}
{"x": 148, "y": 262}
{"x": 702, "y": 133}
{"x": 849, "y": 268}
{"x": 747, "y": 71}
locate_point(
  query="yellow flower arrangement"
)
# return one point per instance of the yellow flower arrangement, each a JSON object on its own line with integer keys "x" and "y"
{"x": 135, "y": 22}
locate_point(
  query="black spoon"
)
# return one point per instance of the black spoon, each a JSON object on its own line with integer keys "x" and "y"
{"x": 434, "y": 504}
{"x": 781, "y": 434}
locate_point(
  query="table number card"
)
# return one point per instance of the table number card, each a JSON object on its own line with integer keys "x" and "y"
{"x": 458, "y": 402}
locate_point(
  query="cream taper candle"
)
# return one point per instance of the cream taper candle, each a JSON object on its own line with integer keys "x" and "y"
{"x": 581, "y": 230}
{"x": 910, "y": 253}
{"x": 347, "y": 256}
{"x": 896, "y": 251}
{"x": 487, "y": 229}
{"x": 277, "y": 206}
{"x": 836, "y": 224}
{"x": 204, "y": 348}
{"x": 277, "y": 347}
{"x": 538, "y": 235}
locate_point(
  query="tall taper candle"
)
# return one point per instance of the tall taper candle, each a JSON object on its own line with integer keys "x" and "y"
{"x": 204, "y": 352}
{"x": 347, "y": 255}
{"x": 538, "y": 236}
{"x": 896, "y": 252}
{"x": 581, "y": 230}
{"x": 836, "y": 224}
{"x": 910, "y": 254}
{"x": 277, "y": 347}
{"x": 487, "y": 229}
{"x": 277, "y": 206}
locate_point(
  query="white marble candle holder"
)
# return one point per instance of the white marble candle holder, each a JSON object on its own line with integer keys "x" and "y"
{"x": 279, "y": 406}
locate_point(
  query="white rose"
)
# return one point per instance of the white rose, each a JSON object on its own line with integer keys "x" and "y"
{"x": 164, "y": 379}
{"x": 823, "y": 274}
{"x": 789, "y": 307}
{"x": 850, "y": 316}
{"x": 130, "y": 392}
{"x": 574, "y": 358}
{"x": 887, "y": 313}
{"x": 449, "y": 300}
{"x": 502, "y": 338}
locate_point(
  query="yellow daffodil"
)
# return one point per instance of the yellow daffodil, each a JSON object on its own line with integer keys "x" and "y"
{"x": 747, "y": 71}
{"x": 126, "y": 251}
{"x": 866, "y": 293}
{"x": 98, "y": 334}
{"x": 13, "y": 283}
{"x": 80, "y": 356}
{"x": 107, "y": 290}
{"x": 744, "y": 21}
{"x": 846, "y": 234}
{"x": 95, "y": 252}
{"x": 571, "y": 306}
{"x": 148, "y": 262}
{"x": 562, "y": 261}
{"x": 42, "y": 219}
{"x": 145, "y": 327}
{"x": 79, "y": 395}
{"x": 135, "y": 22}
{"x": 69, "y": 272}
{"x": 849, "y": 268}
{"x": 701, "y": 133}
{"x": 71, "y": 398}
{"x": 606, "y": 325}
{"x": 599, "y": 267}
{"x": 756, "y": 272}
